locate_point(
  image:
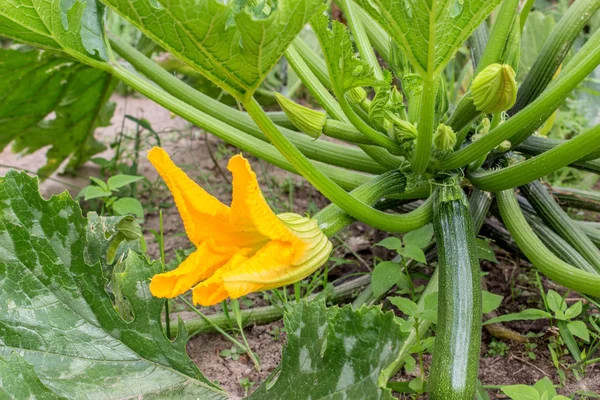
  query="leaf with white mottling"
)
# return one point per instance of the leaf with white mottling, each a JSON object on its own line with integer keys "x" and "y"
{"x": 334, "y": 353}
{"x": 55, "y": 312}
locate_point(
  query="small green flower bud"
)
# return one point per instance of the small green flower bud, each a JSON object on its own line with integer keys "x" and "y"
{"x": 476, "y": 137}
{"x": 494, "y": 89}
{"x": 484, "y": 126}
{"x": 504, "y": 146}
{"x": 404, "y": 130}
{"x": 444, "y": 138}
{"x": 305, "y": 119}
{"x": 357, "y": 95}
{"x": 396, "y": 97}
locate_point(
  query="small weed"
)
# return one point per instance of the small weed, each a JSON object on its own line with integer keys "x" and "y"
{"x": 497, "y": 349}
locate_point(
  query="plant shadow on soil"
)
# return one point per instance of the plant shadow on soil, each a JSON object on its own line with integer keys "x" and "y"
{"x": 511, "y": 277}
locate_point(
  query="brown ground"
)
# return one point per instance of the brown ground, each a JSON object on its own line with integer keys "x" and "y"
{"x": 189, "y": 147}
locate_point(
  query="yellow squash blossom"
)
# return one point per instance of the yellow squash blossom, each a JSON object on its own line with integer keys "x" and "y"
{"x": 239, "y": 249}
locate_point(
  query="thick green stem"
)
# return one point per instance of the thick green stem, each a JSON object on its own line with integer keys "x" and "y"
{"x": 425, "y": 127}
{"x": 535, "y": 114}
{"x": 314, "y": 86}
{"x": 345, "y": 132}
{"x": 256, "y": 147}
{"x": 331, "y": 153}
{"x": 539, "y": 255}
{"x": 577, "y": 198}
{"x": 499, "y": 35}
{"x": 314, "y": 61}
{"x": 373, "y": 135}
{"x": 554, "y": 51}
{"x": 360, "y": 36}
{"x": 554, "y": 216}
{"x": 328, "y": 102}
{"x": 537, "y": 145}
{"x": 539, "y": 166}
{"x": 354, "y": 207}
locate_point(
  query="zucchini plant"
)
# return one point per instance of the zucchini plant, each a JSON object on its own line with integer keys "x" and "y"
{"x": 404, "y": 142}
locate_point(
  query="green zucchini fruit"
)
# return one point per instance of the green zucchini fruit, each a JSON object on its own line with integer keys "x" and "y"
{"x": 455, "y": 366}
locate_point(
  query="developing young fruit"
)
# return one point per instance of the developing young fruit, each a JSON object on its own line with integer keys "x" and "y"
{"x": 444, "y": 138}
{"x": 494, "y": 89}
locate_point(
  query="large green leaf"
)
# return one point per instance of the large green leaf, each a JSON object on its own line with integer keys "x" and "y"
{"x": 55, "y": 312}
{"x": 335, "y": 353}
{"x": 231, "y": 43}
{"x": 73, "y": 26}
{"x": 50, "y": 100}
{"x": 429, "y": 31}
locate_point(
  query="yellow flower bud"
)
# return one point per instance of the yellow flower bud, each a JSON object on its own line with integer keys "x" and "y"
{"x": 444, "y": 138}
{"x": 305, "y": 119}
{"x": 494, "y": 89}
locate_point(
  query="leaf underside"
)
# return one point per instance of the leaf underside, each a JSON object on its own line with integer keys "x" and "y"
{"x": 57, "y": 322}
{"x": 232, "y": 47}
{"x": 429, "y": 31}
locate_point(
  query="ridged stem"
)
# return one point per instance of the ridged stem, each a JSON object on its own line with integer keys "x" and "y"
{"x": 425, "y": 126}
{"x": 539, "y": 166}
{"x": 356, "y": 208}
{"x": 539, "y": 255}
{"x": 331, "y": 153}
{"x": 555, "y": 217}
{"x": 535, "y": 145}
{"x": 254, "y": 146}
{"x": 554, "y": 51}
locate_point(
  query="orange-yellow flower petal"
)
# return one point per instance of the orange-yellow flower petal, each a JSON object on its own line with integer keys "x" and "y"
{"x": 241, "y": 249}
{"x": 198, "y": 266}
{"x": 276, "y": 264}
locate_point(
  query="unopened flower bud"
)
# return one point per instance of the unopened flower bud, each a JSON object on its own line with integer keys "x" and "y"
{"x": 494, "y": 89}
{"x": 396, "y": 97}
{"x": 404, "y": 130}
{"x": 484, "y": 127}
{"x": 504, "y": 146}
{"x": 444, "y": 138}
{"x": 305, "y": 119}
{"x": 357, "y": 95}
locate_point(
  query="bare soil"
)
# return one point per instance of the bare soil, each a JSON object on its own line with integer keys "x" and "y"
{"x": 196, "y": 153}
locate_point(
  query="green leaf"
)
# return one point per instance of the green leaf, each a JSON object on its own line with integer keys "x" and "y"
{"x": 429, "y": 31}
{"x": 335, "y": 353}
{"x": 579, "y": 329}
{"x": 485, "y": 252}
{"x": 574, "y": 310}
{"x": 545, "y": 385}
{"x": 74, "y": 26}
{"x": 413, "y": 252}
{"x": 390, "y": 243}
{"x": 490, "y": 302}
{"x": 535, "y": 32}
{"x": 95, "y": 192}
{"x": 56, "y": 313}
{"x": 118, "y": 181}
{"x": 346, "y": 70}
{"x": 556, "y": 303}
{"x": 49, "y": 100}
{"x": 128, "y": 205}
{"x": 19, "y": 381}
{"x": 420, "y": 237}
{"x": 231, "y": 43}
{"x": 521, "y": 392}
{"x": 529, "y": 314}
{"x": 385, "y": 275}
{"x": 405, "y": 305}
